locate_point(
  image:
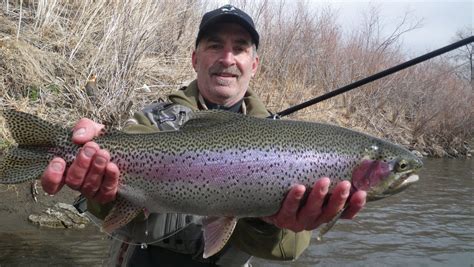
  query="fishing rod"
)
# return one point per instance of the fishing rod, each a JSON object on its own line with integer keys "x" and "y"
{"x": 374, "y": 77}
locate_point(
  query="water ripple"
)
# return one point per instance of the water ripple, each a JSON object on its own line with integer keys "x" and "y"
{"x": 431, "y": 224}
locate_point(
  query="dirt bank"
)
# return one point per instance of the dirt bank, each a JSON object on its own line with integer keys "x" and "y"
{"x": 17, "y": 204}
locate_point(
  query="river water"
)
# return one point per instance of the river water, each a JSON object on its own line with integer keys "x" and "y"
{"x": 430, "y": 224}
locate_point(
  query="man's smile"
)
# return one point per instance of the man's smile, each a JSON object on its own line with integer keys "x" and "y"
{"x": 224, "y": 79}
{"x": 226, "y": 74}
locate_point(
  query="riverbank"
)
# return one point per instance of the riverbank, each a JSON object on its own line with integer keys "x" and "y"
{"x": 17, "y": 204}
{"x": 131, "y": 54}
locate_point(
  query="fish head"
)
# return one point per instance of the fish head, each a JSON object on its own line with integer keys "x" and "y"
{"x": 386, "y": 169}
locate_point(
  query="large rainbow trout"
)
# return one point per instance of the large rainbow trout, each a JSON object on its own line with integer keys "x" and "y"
{"x": 221, "y": 165}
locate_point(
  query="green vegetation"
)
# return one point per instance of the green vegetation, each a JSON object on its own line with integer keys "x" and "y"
{"x": 33, "y": 93}
{"x": 48, "y": 49}
{"x": 4, "y": 143}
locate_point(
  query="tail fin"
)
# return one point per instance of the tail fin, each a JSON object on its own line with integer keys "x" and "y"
{"x": 29, "y": 130}
{"x": 21, "y": 165}
{"x": 36, "y": 139}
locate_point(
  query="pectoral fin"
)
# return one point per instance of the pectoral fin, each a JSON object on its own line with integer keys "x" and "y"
{"x": 121, "y": 214}
{"x": 217, "y": 231}
{"x": 328, "y": 226}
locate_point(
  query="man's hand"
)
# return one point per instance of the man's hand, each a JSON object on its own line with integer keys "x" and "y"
{"x": 293, "y": 217}
{"x": 91, "y": 173}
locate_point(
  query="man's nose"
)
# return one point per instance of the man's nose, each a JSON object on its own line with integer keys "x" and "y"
{"x": 227, "y": 58}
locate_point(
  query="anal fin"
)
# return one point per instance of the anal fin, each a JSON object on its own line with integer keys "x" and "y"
{"x": 217, "y": 231}
{"x": 121, "y": 214}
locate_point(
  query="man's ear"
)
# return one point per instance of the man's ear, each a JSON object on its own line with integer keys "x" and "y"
{"x": 255, "y": 64}
{"x": 194, "y": 60}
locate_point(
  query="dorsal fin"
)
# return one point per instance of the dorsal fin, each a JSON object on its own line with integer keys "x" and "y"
{"x": 109, "y": 130}
{"x": 209, "y": 118}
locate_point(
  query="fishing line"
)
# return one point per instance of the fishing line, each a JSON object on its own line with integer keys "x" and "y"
{"x": 295, "y": 241}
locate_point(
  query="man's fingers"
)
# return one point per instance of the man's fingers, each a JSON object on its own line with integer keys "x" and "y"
{"x": 356, "y": 203}
{"x": 109, "y": 187}
{"x": 52, "y": 179}
{"x": 315, "y": 211}
{"x": 290, "y": 206}
{"x": 85, "y": 130}
{"x": 80, "y": 167}
{"x": 336, "y": 202}
{"x": 93, "y": 179}
{"x": 309, "y": 214}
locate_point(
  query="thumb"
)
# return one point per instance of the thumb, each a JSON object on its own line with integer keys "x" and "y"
{"x": 85, "y": 130}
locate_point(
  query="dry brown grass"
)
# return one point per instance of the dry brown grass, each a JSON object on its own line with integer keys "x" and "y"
{"x": 48, "y": 49}
{"x": 126, "y": 44}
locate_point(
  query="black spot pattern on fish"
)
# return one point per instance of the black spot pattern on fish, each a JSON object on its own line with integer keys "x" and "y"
{"x": 222, "y": 163}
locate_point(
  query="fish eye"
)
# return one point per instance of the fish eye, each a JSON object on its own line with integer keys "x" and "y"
{"x": 402, "y": 165}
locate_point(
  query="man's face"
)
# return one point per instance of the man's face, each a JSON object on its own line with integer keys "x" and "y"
{"x": 225, "y": 62}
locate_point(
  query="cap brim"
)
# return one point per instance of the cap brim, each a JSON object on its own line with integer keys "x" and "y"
{"x": 229, "y": 17}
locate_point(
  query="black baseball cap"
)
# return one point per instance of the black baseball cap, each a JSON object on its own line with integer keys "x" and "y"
{"x": 227, "y": 13}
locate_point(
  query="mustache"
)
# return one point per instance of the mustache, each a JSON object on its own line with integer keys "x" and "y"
{"x": 218, "y": 68}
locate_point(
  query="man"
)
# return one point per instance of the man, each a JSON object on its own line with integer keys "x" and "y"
{"x": 225, "y": 59}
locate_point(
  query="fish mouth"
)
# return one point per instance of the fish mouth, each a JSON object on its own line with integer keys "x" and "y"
{"x": 404, "y": 181}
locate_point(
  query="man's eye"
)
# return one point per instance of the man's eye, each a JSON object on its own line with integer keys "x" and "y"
{"x": 240, "y": 49}
{"x": 214, "y": 46}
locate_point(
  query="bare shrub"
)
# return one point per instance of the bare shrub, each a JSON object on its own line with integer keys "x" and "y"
{"x": 126, "y": 44}
{"x": 140, "y": 51}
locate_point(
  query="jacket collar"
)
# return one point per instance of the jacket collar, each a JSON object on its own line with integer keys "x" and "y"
{"x": 189, "y": 96}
